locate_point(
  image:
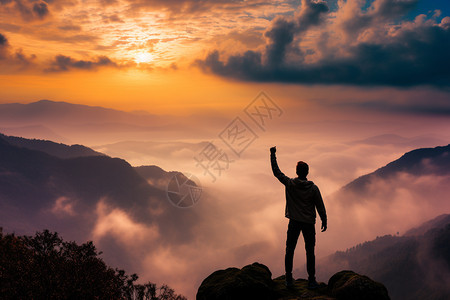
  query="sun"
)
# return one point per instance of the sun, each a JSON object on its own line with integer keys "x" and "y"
{"x": 143, "y": 57}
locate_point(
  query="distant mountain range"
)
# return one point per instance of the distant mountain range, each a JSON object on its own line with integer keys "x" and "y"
{"x": 89, "y": 125}
{"x": 56, "y": 149}
{"x": 44, "y": 183}
{"x": 413, "y": 266}
{"x": 67, "y": 122}
{"x": 394, "y": 139}
{"x": 57, "y": 111}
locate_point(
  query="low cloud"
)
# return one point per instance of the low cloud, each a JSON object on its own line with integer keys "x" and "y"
{"x": 63, "y": 207}
{"x": 235, "y": 228}
{"x": 240, "y": 218}
{"x": 116, "y": 222}
{"x": 62, "y": 63}
{"x": 387, "y": 206}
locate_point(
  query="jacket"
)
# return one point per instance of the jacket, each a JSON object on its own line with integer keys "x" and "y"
{"x": 302, "y": 197}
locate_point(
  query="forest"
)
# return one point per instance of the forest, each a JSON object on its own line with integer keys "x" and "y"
{"x": 44, "y": 266}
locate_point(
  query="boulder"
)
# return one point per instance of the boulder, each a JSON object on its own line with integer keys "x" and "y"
{"x": 251, "y": 282}
{"x": 254, "y": 282}
{"x": 349, "y": 285}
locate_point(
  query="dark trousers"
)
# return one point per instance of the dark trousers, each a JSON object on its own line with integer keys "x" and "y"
{"x": 309, "y": 235}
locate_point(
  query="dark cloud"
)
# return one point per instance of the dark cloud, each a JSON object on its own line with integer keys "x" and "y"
{"x": 311, "y": 14}
{"x": 17, "y": 58}
{"x": 246, "y": 66}
{"x": 65, "y": 63}
{"x": 389, "y": 9}
{"x": 280, "y": 37}
{"x": 40, "y": 9}
{"x": 3, "y": 46}
{"x": 20, "y": 57}
{"x": 3, "y": 40}
{"x": 283, "y": 31}
{"x": 415, "y": 55}
{"x": 28, "y": 10}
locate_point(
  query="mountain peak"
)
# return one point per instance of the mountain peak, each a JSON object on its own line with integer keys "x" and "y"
{"x": 44, "y": 101}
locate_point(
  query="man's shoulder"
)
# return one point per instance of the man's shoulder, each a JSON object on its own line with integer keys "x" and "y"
{"x": 314, "y": 186}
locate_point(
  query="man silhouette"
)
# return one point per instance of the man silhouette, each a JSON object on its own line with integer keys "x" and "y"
{"x": 302, "y": 199}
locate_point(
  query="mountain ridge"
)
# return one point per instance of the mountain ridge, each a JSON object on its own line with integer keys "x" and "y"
{"x": 411, "y": 266}
{"x": 436, "y": 223}
{"x": 56, "y": 149}
{"x": 413, "y": 162}
{"x": 83, "y": 124}
{"x": 35, "y": 185}
{"x": 62, "y": 109}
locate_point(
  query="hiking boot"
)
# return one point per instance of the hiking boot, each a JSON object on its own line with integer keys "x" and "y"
{"x": 312, "y": 284}
{"x": 289, "y": 281}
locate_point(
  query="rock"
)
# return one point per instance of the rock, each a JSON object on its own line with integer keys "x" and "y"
{"x": 300, "y": 290}
{"x": 255, "y": 282}
{"x": 349, "y": 285}
{"x": 251, "y": 282}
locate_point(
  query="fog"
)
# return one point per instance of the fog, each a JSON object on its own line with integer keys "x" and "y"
{"x": 239, "y": 218}
{"x": 234, "y": 226}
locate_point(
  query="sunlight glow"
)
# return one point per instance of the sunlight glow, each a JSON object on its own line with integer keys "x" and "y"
{"x": 143, "y": 57}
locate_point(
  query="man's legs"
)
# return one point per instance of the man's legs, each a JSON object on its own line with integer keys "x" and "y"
{"x": 293, "y": 232}
{"x": 309, "y": 235}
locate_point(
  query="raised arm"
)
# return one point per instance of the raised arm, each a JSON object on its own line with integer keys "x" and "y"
{"x": 275, "y": 169}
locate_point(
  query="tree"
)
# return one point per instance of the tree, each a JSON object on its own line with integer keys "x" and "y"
{"x": 46, "y": 267}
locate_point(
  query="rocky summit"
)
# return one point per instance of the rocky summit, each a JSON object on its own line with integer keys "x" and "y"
{"x": 255, "y": 282}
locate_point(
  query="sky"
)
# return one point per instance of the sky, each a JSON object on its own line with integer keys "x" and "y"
{"x": 353, "y": 85}
{"x": 100, "y": 52}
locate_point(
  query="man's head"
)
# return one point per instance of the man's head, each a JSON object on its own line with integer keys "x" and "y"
{"x": 302, "y": 169}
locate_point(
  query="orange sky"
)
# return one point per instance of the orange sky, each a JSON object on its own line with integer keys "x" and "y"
{"x": 153, "y": 55}
{"x": 342, "y": 72}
